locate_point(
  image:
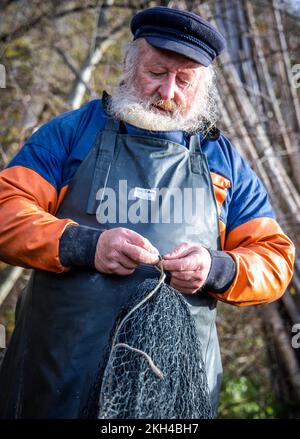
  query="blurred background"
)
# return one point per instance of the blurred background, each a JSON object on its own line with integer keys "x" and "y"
{"x": 57, "y": 55}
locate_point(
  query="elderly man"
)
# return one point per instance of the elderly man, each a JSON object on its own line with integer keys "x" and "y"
{"x": 96, "y": 194}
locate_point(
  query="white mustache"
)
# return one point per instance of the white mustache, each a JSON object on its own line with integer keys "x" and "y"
{"x": 167, "y": 105}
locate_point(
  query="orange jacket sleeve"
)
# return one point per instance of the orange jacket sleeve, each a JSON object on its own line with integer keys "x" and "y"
{"x": 30, "y": 233}
{"x": 264, "y": 258}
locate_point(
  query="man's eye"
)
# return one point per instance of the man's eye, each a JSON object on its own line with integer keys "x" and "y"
{"x": 156, "y": 73}
{"x": 183, "y": 83}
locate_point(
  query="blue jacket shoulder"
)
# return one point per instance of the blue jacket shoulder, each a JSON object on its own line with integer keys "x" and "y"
{"x": 56, "y": 148}
{"x": 247, "y": 198}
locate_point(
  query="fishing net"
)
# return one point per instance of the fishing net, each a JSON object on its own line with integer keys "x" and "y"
{"x": 155, "y": 368}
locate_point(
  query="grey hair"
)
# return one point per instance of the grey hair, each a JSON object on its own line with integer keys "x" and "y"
{"x": 131, "y": 53}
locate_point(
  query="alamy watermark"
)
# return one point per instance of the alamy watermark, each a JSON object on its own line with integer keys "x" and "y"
{"x": 151, "y": 205}
{"x": 296, "y": 75}
{"x": 296, "y": 337}
{"x": 2, "y": 76}
{"x": 2, "y": 337}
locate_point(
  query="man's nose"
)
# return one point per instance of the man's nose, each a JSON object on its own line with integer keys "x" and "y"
{"x": 168, "y": 88}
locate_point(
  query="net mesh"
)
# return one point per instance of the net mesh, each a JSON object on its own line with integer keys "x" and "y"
{"x": 155, "y": 368}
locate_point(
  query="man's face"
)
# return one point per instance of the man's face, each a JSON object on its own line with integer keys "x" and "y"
{"x": 171, "y": 78}
{"x": 163, "y": 91}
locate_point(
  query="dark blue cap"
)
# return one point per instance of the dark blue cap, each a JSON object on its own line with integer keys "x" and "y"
{"x": 179, "y": 31}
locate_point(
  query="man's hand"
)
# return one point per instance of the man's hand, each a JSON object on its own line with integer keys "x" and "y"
{"x": 189, "y": 266}
{"x": 121, "y": 250}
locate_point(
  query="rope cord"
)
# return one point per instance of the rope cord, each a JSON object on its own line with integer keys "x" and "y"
{"x": 154, "y": 368}
{"x": 162, "y": 278}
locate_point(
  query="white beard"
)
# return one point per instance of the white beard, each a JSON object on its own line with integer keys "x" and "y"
{"x": 126, "y": 106}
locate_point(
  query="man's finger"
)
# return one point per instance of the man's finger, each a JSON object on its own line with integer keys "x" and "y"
{"x": 188, "y": 263}
{"x": 139, "y": 255}
{"x": 123, "y": 271}
{"x": 180, "y": 251}
{"x": 184, "y": 289}
{"x": 183, "y": 284}
{"x": 190, "y": 275}
{"x": 137, "y": 239}
{"x": 127, "y": 262}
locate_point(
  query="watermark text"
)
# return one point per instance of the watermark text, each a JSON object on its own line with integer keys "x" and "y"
{"x": 2, "y": 337}
{"x": 2, "y": 76}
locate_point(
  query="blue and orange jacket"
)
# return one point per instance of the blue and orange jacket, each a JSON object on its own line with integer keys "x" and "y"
{"x": 35, "y": 182}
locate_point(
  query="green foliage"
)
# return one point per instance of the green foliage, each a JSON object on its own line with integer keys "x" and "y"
{"x": 18, "y": 49}
{"x": 250, "y": 388}
{"x": 247, "y": 397}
